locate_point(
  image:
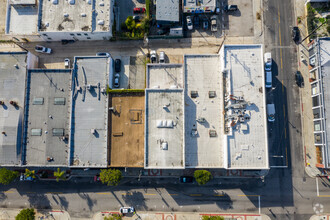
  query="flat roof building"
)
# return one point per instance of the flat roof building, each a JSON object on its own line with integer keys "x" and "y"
{"x": 164, "y": 118}
{"x": 199, "y": 6}
{"x": 46, "y": 129}
{"x": 12, "y": 83}
{"x": 167, "y": 11}
{"x": 89, "y": 112}
{"x": 319, "y": 61}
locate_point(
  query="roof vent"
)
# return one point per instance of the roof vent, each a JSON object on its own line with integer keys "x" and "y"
{"x": 100, "y": 22}
{"x": 66, "y": 15}
{"x": 83, "y": 14}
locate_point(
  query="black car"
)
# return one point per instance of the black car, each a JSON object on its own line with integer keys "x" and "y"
{"x": 117, "y": 65}
{"x": 295, "y": 34}
{"x": 186, "y": 179}
{"x": 299, "y": 79}
{"x": 231, "y": 8}
{"x": 196, "y": 21}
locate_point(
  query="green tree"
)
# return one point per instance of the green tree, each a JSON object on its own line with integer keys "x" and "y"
{"x": 26, "y": 214}
{"x": 59, "y": 174}
{"x": 30, "y": 173}
{"x": 7, "y": 176}
{"x": 205, "y": 217}
{"x": 130, "y": 23}
{"x": 111, "y": 177}
{"x": 202, "y": 176}
{"x": 113, "y": 217}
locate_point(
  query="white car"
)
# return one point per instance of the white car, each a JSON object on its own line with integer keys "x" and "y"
{"x": 42, "y": 49}
{"x": 153, "y": 56}
{"x": 189, "y": 23}
{"x": 214, "y": 27}
{"x": 67, "y": 63}
{"x": 125, "y": 210}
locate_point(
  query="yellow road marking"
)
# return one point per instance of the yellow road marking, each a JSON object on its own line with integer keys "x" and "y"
{"x": 323, "y": 196}
{"x": 103, "y": 193}
{"x": 218, "y": 195}
{"x": 279, "y": 33}
{"x": 150, "y": 194}
{"x": 281, "y": 57}
{"x": 127, "y": 194}
{"x": 248, "y": 195}
{"x": 195, "y": 194}
{"x": 279, "y": 19}
{"x": 284, "y": 110}
{"x": 173, "y": 194}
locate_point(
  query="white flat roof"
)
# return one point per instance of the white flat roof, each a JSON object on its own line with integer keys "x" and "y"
{"x": 22, "y": 20}
{"x": 164, "y": 76}
{"x": 12, "y": 84}
{"x": 78, "y": 16}
{"x": 89, "y": 122}
{"x": 202, "y": 74}
{"x": 247, "y": 142}
{"x": 164, "y": 141}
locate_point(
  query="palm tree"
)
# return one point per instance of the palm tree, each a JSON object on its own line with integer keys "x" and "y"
{"x": 59, "y": 174}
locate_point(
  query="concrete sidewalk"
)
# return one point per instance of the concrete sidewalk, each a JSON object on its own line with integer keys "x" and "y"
{"x": 181, "y": 216}
{"x": 8, "y": 214}
{"x": 320, "y": 217}
{"x": 305, "y": 95}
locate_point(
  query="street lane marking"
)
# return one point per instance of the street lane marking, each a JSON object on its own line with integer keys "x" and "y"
{"x": 195, "y": 194}
{"x": 218, "y": 195}
{"x": 281, "y": 56}
{"x": 279, "y": 19}
{"x": 103, "y": 193}
{"x": 173, "y": 194}
{"x": 249, "y": 195}
{"x": 284, "y": 110}
{"x": 126, "y": 194}
{"x": 149, "y": 194}
{"x": 317, "y": 187}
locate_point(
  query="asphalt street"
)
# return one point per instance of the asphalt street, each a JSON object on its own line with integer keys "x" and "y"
{"x": 287, "y": 191}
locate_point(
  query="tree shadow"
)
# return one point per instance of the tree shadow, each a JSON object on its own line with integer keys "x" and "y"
{"x": 38, "y": 201}
{"x": 90, "y": 202}
{"x": 137, "y": 200}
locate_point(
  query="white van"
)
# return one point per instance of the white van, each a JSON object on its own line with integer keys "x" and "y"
{"x": 271, "y": 112}
{"x": 161, "y": 57}
{"x": 268, "y": 79}
{"x": 268, "y": 61}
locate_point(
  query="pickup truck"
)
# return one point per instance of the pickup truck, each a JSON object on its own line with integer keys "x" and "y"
{"x": 214, "y": 27}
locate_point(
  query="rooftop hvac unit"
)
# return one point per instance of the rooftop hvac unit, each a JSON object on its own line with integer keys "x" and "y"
{"x": 212, "y": 94}
{"x": 66, "y": 15}
{"x": 164, "y": 146}
{"x": 212, "y": 133}
{"x": 89, "y": 86}
{"x": 93, "y": 131}
{"x": 100, "y": 22}
{"x": 83, "y": 15}
{"x": 193, "y": 94}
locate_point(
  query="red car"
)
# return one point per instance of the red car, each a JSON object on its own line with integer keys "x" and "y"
{"x": 97, "y": 178}
{"x": 139, "y": 10}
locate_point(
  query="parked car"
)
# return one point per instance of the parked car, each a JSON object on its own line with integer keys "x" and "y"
{"x": 196, "y": 21}
{"x": 271, "y": 112}
{"x": 214, "y": 26}
{"x": 125, "y": 210}
{"x": 117, "y": 65}
{"x": 186, "y": 179}
{"x": 136, "y": 18}
{"x": 268, "y": 61}
{"x": 25, "y": 178}
{"x": 153, "y": 56}
{"x": 230, "y": 8}
{"x": 97, "y": 178}
{"x": 67, "y": 63}
{"x": 268, "y": 79}
{"x": 42, "y": 49}
{"x": 205, "y": 23}
{"x": 189, "y": 23}
{"x": 116, "y": 82}
{"x": 299, "y": 79}
{"x": 103, "y": 54}
{"x": 161, "y": 57}
{"x": 139, "y": 10}
{"x": 295, "y": 34}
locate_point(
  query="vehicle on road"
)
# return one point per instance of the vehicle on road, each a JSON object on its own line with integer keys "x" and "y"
{"x": 268, "y": 79}
{"x": 67, "y": 63}
{"x": 116, "y": 83}
{"x": 231, "y": 8}
{"x": 295, "y": 34}
{"x": 271, "y": 112}
{"x": 25, "y": 178}
{"x": 196, "y": 21}
{"x": 268, "y": 61}
{"x": 299, "y": 79}
{"x": 153, "y": 56}
{"x": 189, "y": 23}
{"x": 214, "y": 26}
{"x": 139, "y": 10}
{"x": 186, "y": 179}
{"x": 103, "y": 54}
{"x": 205, "y": 23}
{"x": 117, "y": 65}
{"x": 126, "y": 210}
{"x": 42, "y": 49}
{"x": 161, "y": 57}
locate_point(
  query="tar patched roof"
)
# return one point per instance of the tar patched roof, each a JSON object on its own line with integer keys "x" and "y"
{"x": 89, "y": 117}
{"x": 75, "y": 15}
{"x": 246, "y": 141}
{"x": 47, "y": 117}
{"x": 167, "y": 10}
{"x": 203, "y": 113}
{"x": 12, "y": 83}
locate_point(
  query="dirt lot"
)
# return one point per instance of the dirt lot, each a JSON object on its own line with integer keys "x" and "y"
{"x": 127, "y": 130}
